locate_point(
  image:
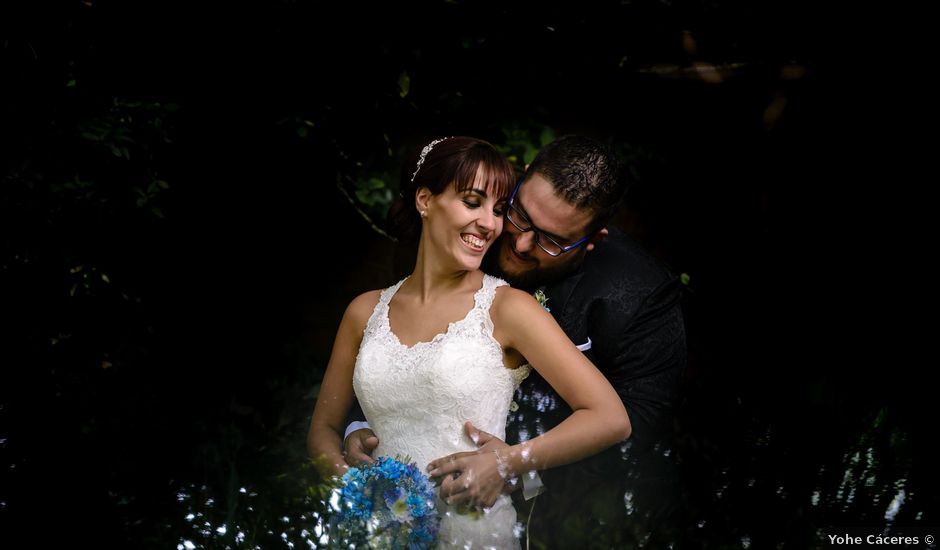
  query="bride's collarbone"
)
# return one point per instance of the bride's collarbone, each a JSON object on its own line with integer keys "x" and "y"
{"x": 413, "y": 323}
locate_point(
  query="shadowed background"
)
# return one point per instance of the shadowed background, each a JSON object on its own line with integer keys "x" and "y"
{"x": 187, "y": 206}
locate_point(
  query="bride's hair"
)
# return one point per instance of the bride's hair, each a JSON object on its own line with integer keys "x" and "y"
{"x": 453, "y": 160}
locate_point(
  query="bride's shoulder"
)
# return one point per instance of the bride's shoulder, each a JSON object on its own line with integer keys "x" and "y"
{"x": 508, "y": 298}
{"x": 360, "y": 308}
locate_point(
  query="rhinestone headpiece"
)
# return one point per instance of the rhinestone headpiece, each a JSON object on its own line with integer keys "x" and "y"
{"x": 424, "y": 153}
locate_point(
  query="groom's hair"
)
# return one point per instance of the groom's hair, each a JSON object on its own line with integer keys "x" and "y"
{"x": 586, "y": 173}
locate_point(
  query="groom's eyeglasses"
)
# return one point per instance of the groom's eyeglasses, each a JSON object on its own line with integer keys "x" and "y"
{"x": 522, "y": 223}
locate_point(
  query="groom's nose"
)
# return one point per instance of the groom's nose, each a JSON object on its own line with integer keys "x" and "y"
{"x": 525, "y": 242}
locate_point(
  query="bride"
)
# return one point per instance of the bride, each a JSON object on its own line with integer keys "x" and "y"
{"x": 449, "y": 343}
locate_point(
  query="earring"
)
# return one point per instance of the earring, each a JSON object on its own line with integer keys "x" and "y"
{"x": 424, "y": 213}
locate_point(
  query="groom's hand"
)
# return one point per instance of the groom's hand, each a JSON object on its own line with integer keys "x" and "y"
{"x": 358, "y": 447}
{"x": 472, "y": 477}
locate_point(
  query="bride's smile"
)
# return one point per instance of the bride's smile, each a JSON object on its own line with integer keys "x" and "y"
{"x": 462, "y": 224}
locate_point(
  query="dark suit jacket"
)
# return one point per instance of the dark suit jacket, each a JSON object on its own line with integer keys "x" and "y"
{"x": 627, "y": 305}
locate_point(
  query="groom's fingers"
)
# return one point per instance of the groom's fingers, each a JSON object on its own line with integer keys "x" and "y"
{"x": 446, "y": 465}
{"x": 457, "y": 491}
{"x": 358, "y": 446}
{"x": 451, "y": 485}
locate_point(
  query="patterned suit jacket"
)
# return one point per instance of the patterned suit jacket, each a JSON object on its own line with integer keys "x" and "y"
{"x": 623, "y": 310}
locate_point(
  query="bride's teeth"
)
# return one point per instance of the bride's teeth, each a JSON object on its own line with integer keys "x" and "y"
{"x": 471, "y": 240}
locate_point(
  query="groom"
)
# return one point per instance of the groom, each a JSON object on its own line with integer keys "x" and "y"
{"x": 621, "y": 307}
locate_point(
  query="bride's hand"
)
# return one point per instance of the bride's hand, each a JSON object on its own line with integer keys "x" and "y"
{"x": 479, "y": 482}
{"x": 473, "y": 477}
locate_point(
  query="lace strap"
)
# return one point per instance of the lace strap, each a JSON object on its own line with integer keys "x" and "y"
{"x": 379, "y": 316}
{"x": 484, "y": 296}
{"x": 387, "y": 294}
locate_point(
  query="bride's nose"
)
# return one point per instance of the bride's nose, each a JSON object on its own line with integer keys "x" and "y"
{"x": 487, "y": 220}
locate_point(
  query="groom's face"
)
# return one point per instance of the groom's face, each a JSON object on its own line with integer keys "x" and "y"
{"x": 519, "y": 259}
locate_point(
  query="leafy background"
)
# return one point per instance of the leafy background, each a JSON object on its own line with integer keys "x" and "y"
{"x": 191, "y": 196}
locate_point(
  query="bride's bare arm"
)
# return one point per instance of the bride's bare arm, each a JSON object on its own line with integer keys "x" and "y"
{"x": 598, "y": 421}
{"x": 325, "y": 439}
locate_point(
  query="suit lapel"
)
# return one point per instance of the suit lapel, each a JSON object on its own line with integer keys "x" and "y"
{"x": 559, "y": 300}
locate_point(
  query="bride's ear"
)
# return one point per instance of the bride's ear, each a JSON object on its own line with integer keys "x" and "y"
{"x": 422, "y": 199}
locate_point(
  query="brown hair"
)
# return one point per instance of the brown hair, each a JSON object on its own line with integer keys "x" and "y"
{"x": 586, "y": 173}
{"x": 454, "y": 160}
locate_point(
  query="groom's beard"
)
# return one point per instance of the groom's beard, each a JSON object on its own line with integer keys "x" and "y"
{"x": 532, "y": 279}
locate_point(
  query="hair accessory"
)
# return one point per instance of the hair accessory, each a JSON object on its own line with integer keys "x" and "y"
{"x": 424, "y": 153}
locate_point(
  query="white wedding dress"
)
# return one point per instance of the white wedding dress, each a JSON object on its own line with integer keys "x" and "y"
{"x": 416, "y": 400}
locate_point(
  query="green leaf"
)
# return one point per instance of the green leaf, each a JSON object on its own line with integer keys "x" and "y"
{"x": 105, "y": 278}
{"x": 404, "y": 84}
{"x": 70, "y": 84}
{"x": 547, "y": 136}
{"x": 684, "y": 279}
{"x": 162, "y": 184}
{"x": 376, "y": 183}
{"x": 302, "y": 131}
{"x": 530, "y": 153}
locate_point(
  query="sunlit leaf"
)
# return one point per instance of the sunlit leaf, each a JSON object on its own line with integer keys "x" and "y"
{"x": 404, "y": 84}
{"x": 530, "y": 153}
{"x": 547, "y": 136}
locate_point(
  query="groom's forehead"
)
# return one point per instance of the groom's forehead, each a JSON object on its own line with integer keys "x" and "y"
{"x": 548, "y": 209}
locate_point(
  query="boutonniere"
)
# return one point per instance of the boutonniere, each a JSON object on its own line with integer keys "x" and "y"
{"x": 541, "y": 298}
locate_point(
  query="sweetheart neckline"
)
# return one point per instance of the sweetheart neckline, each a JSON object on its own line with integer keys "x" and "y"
{"x": 439, "y": 335}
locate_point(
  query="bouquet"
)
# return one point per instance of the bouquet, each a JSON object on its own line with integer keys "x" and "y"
{"x": 386, "y": 504}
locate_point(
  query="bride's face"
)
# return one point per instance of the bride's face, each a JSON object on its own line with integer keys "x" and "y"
{"x": 461, "y": 225}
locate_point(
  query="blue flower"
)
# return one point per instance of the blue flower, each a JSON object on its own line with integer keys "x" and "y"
{"x": 388, "y": 501}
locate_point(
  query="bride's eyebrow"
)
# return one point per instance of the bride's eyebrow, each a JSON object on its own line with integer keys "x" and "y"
{"x": 480, "y": 192}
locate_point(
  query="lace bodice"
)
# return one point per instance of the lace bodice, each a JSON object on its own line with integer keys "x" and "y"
{"x": 417, "y": 398}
